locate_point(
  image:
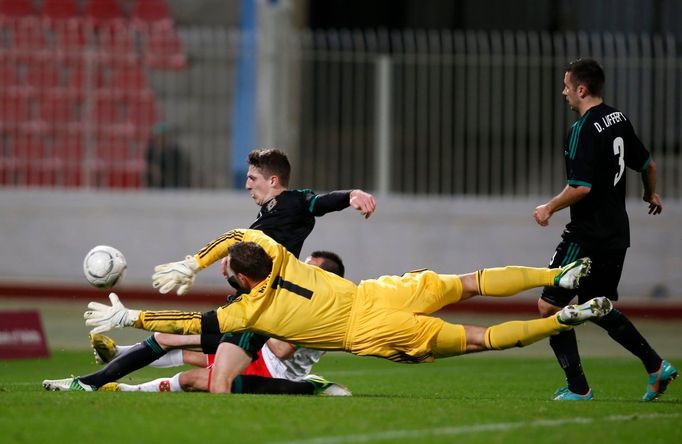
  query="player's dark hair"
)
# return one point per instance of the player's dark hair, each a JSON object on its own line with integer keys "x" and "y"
{"x": 271, "y": 162}
{"x": 250, "y": 259}
{"x": 587, "y": 72}
{"x": 331, "y": 262}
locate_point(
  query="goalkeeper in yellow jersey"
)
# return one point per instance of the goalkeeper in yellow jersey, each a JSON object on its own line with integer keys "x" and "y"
{"x": 386, "y": 317}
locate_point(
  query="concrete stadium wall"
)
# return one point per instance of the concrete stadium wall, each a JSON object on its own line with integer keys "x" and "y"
{"x": 45, "y": 234}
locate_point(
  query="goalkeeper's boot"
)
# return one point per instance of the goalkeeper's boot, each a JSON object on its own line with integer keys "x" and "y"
{"x": 564, "y": 394}
{"x": 110, "y": 387}
{"x": 658, "y": 381}
{"x": 67, "y": 385}
{"x": 579, "y": 313}
{"x": 572, "y": 273}
{"x": 327, "y": 388}
{"x": 103, "y": 347}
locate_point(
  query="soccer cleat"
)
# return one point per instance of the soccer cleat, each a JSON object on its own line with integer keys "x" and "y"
{"x": 564, "y": 394}
{"x": 579, "y": 313}
{"x": 103, "y": 347}
{"x": 110, "y": 387}
{"x": 67, "y": 385}
{"x": 571, "y": 274}
{"x": 327, "y": 388}
{"x": 659, "y": 381}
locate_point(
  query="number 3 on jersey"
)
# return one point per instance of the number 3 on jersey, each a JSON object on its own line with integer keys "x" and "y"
{"x": 619, "y": 150}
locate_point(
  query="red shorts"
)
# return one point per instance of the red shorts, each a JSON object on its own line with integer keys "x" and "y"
{"x": 256, "y": 368}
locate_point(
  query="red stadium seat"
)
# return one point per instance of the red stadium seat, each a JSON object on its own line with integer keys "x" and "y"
{"x": 71, "y": 35}
{"x": 163, "y": 49}
{"x": 43, "y": 75}
{"x": 14, "y": 109}
{"x": 28, "y": 35}
{"x": 146, "y": 13}
{"x": 116, "y": 44}
{"x": 15, "y": 9}
{"x": 60, "y": 111}
{"x": 101, "y": 12}
{"x": 143, "y": 110}
{"x": 119, "y": 160}
{"x": 9, "y": 75}
{"x": 109, "y": 111}
{"x": 130, "y": 80}
{"x": 59, "y": 10}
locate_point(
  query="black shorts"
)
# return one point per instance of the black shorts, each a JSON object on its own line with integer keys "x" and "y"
{"x": 250, "y": 342}
{"x": 607, "y": 267}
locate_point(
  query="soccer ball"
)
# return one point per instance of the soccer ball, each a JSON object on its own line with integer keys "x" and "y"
{"x": 104, "y": 266}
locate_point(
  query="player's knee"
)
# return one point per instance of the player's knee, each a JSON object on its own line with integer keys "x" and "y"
{"x": 475, "y": 338}
{"x": 469, "y": 285}
{"x": 223, "y": 385}
{"x": 546, "y": 309}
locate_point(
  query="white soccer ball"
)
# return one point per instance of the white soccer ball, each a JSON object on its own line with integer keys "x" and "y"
{"x": 104, "y": 266}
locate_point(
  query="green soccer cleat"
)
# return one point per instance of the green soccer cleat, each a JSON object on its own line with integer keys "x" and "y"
{"x": 327, "y": 388}
{"x": 67, "y": 385}
{"x": 564, "y": 394}
{"x": 571, "y": 274}
{"x": 103, "y": 347}
{"x": 579, "y": 313}
{"x": 659, "y": 381}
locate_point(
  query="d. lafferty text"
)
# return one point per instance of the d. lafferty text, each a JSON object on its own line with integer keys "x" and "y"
{"x": 609, "y": 120}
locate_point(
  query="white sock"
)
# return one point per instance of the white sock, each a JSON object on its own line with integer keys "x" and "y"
{"x": 120, "y": 349}
{"x": 157, "y": 385}
{"x": 171, "y": 359}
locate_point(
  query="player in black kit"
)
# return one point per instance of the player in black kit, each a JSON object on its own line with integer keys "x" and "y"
{"x": 598, "y": 147}
{"x": 288, "y": 216}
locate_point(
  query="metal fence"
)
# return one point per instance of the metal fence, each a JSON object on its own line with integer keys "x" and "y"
{"x": 413, "y": 112}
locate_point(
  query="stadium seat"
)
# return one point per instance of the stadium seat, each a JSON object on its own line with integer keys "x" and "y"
{"x": 43, "y": 75}
{"x": 143, "y": 110}
{"x": 27, "y": 35}
{"x": 9, "y": 75}
{"x": 59, "y": 112}
{"x": 103, "y": 12}
{"x": 109, "y": 111}
{"x": 15, "y": 9}
{"x": 115, "y": 39}
{"x": 130, "y": 80}
{"x": 14, "y": 109}
{"x": 163, "y": 49}
{"x": 71, "y": 35}
{"x": 59, "y": 10}
{"x": 69, "y": 155}
{"x": 147, "y": 13}
{"x": 119, "y": 160}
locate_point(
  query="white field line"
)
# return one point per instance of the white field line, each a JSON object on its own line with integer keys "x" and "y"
{"x": 391, "y": 435}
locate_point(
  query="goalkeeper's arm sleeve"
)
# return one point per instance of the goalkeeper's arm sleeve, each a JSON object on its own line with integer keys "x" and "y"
{"x": 170, "y": 321}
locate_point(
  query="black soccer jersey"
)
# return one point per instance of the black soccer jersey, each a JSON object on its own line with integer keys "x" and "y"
{"x": 290, "y": 217}
{"x": 598, "y": 147}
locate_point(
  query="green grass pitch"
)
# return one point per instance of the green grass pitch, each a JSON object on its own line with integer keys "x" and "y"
{"x": 493, "y": 398}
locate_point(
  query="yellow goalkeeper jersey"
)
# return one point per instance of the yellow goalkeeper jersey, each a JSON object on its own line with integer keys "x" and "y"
{"x": 297, "y": 301}
{"x": 305, "y": 305}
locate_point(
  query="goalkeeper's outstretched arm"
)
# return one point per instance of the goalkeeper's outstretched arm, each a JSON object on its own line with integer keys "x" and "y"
{"x": 104, "y": 318}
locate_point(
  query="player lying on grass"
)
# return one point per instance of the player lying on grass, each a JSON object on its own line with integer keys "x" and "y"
{"x": 385, "y": 317}
{"x": 280, "y": 368}
{"x": 277, "y": 368}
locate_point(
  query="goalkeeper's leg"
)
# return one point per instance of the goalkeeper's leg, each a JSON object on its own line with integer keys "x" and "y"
{"x": 510, "y": 280}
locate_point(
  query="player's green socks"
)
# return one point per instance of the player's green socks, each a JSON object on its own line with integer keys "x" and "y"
{"x": 508, "y": 281}
{"x": 521, "y": 333}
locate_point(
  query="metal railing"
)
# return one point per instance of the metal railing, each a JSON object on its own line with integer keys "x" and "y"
{"x": 412, "y": 112}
